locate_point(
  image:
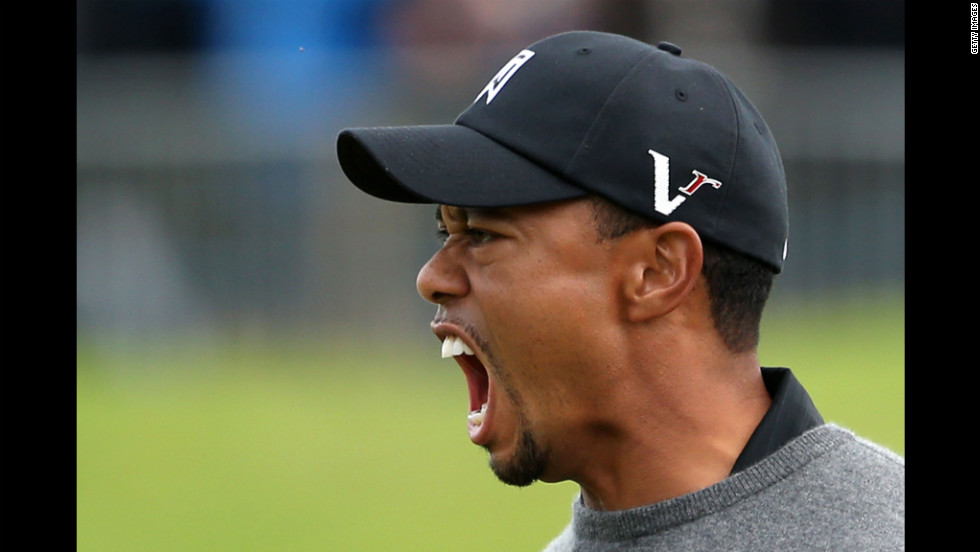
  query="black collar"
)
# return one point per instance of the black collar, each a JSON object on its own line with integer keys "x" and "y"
{"x": 791, "y": 414}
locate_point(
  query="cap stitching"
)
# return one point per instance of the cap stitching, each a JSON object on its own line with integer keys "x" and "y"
{"x": 730, "y": 177}
{"x": 589, "y": 133}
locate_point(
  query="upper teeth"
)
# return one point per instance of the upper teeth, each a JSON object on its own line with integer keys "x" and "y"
{"x": 454, "y": 346}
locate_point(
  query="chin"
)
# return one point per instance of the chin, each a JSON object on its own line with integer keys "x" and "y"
{"x": 522, "y": 467}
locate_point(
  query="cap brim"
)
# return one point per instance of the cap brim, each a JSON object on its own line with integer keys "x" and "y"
{"x": 447, "y": 164}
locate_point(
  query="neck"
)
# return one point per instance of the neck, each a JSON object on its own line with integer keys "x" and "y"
{"x": 685, "y": 438}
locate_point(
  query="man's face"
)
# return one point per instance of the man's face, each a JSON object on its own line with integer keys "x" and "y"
{"x": 528, "y": 291}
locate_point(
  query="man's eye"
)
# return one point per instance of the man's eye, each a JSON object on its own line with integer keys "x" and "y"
{"x": 475, "y": 235}
{"x": 479, "y": 236}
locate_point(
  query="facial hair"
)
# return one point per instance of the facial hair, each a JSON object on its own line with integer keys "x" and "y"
{"x": 525, "y": 466}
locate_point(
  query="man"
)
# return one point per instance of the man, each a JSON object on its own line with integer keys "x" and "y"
{"x": 613, "y": 216}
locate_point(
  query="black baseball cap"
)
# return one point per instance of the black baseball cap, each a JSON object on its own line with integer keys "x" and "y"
{"x": 584, "y": 112}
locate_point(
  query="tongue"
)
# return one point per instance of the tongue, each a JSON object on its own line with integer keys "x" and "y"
{"x": 477, "y": 381}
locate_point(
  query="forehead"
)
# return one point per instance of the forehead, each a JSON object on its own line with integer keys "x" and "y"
{"x": 454, "y": 213}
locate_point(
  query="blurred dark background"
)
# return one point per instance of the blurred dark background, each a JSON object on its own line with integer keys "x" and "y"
{"x": 210, "y": 202}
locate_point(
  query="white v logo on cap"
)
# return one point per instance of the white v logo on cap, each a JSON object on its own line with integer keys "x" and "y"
{"x": 661, "y": 184}
{"x": 502, "y": 76}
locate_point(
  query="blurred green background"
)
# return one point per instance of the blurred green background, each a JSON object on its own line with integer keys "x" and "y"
{"x": 254, "y": 366}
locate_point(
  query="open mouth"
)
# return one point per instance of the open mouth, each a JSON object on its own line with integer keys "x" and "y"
{"x": 477, "y": 380}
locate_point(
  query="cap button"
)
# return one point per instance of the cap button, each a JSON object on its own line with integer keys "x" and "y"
{"x": 668, "y": 47}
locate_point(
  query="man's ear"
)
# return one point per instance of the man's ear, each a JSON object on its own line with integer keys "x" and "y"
{"x": 664, "y": 265}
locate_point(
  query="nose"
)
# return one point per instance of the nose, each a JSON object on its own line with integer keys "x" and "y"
{"x": 442, "y": 278}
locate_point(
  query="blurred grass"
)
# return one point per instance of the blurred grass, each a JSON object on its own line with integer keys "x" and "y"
{"x": 849, "y": 353}
{"x": 317, "y": 447}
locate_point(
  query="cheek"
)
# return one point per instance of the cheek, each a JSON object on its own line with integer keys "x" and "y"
{"x": 548, "y": 292}
{"x": 547, "y": 332}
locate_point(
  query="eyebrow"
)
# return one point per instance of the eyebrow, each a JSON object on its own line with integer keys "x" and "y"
{"x": 499, "y": 213}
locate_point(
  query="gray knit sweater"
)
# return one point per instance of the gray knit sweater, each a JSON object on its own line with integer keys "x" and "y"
{"x": 825, "y": 490}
